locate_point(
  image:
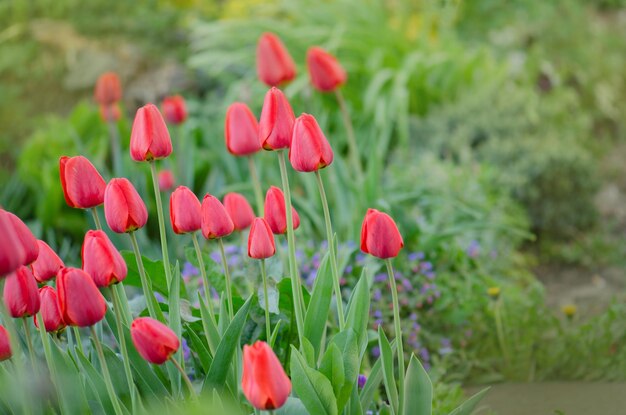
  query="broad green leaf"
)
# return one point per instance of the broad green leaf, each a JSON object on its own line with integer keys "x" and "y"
{"x": 95, "y": 381}
{"x": 210, "y": 331}
{"x": 272, "y": 296}
{"x": 358, "y": 312}
{"x": 74, "y": 399}
{"x": 307, "y": 348}
{"x": 275, "y": 333}
{"x": 373, "y": 382}
{"x": 224, "y": 319}
{"x": 155, "y": 274}
{"x": 346, "y": 341}
{"x": 418, "y": 390}
{"x": 319, "y": 305}
{"x": 467, "y": 407}
{"x": 332, "y": 367}
{"x": 200, "y": 347}
{"x": 313, "y": 388}
{"x": 354, "y": 404}
{"x": 386, "y": 357}
{"x": 293, "y": 406}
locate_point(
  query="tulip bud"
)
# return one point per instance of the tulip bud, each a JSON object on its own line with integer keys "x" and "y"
{"x": 102, "y": 260}
{"x": 185, "y": 211}
{"x": 80, "y": 301}
{"x": 380, "y": 236}
{"x": 47, "y": 264}
{"x": 241, "y": 130}
{"x": 309, "y": 150}
{"x": 108, "y": 89}
{"x": 174, "y": 109}
{"x": 275, "y": 211}
{"x": 216, "y": 223}
{"x": 264, "y": 381}
{"x": 5, "y": 344}
{"x": 261, "y": 240}
{"x": 166, "y": 180}
{"x": 149, "y": 137}
{"x": 239, "y": 210}
{"x": 110, "y": 113}
{"x": 25, "y": 238}
{"x": 123, "y": 208}
{"x": 277, "y": 118}
{"x": 50, "y": 311}
{"x": 12, "y": 253}
{"x": 154, "y": 341}
{"x": 325, "y": 72}
{"x": 274, "y": 65}
{"x": 21, "y": 296}
{"x": 83, "y": 186}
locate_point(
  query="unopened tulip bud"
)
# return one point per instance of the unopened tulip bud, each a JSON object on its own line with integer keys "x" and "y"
{"x": 275, "y": 211}
{"x": 47, "y": 264}
{"x": 325, "y": 72}
{"x": 239, "y": 210}
{"x": 261, "y": 240}
{"x": 174, "y": 109}
{"x": 216, "y": 223}
{"x": 154, "y": 341}
{"x": 276, "y": 123}
{"x": 123, "y": 208}
{"x": 50, "y": 311}
{"x": 83, "y": 186}
{"x": 241, "y": 130}
{"x": 380, "y": 236}
{"x": 149, "y": 137}
{"x": 5, "y": 344}
{"x": 25, "y": 237}
{"x": 185, "y": 211}
{"x": 12, "y": 253}
{"x": 101, "y": 260}
{"x": 264, "y": 381}
{"x": 274, "y": 65}
{"x": 309, "y": 150}
{"x": 80, "y": 301}
{"x": 108, "y": 89}
{"x": 21, "y": 295}
{"x": 110, "y": 113}
{"x": 166, "y": 180}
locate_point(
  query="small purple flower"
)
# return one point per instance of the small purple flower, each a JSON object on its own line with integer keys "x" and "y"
{"x": 231, "y": 249}
{"x": 361, "y": 381}
{"x": 186, "y": 350}
{"x": 189, "y": 270}
{"x": 413, "y": 316}
{"x": 424, "y": 354}
{"x": 426, "y": 266}
{"x": 375, "y": 351}
{"x": 380, "y": 277}
{"x": 348, "y": 269}
{"x": 378, "y": 313}
{"x": 377, "y": 295}
{"x": 215, "y": 256}
{"x": 413, "y": 256}
{"x": 473, "y": 250}
{"x": 360, "y": 258}
{"x": 407, "y": 284}
{"x": 430, "y": 275}
{"x": 159, "y": 298}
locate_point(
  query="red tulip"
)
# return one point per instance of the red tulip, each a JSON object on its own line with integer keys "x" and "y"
{"x": 149, "y": 137}
{"x": 80, "y": 301}
{"x": 110, "y": 113}
{"x": 12, "y": 253}
{"x": 274, "y": 65}
{"x": 239, "y": 210}
{"x": 174, "y": 109}
{"x": 241, "y": 130}
{"x": 185, "y": 211}
{"x": 264, "y": 381}
{"x": 309, "y": 150}
{"x": 216, "y": 223}
{"x": 47, "y": 264}
{"x": 83, "y": 186}
{"x": 277, "y": 118}
{"x": 261, "y": 240}
{"x": 5, "y": 344}
{"x": 108, "y": 89}
{"x": 154, "y": 341}
{"x": 50, "y": 311}
{"x": 275, "y": 211}
{"x": 21, "y": 296}
{"x": 25, "y": 238}
{"x": 123, "y": 208}
{"x": 380, "y": 236}
{"x": 325, "y": 72}
{"x": 166, "y": 180}
{"x": 102, "y": 260}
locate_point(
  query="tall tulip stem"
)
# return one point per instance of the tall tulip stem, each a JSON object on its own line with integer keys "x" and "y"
{"x": 145, "y": 284}
{"x": 398, "y": 328}
{"x": 354, "y": 149}
{"x": 116, "y": 151}
{"x": 159, "y": 205}
{"x": 331, "y": 246}
{"x": 117, "y": 308}
{"x": 229, "y": 291}
{"x": 29, "y": 342}
{"x": 79, "y": 341}
{"x": 205, "y": 278}
{"x": 96, "y": 218}
{"x": 268, "y": 331}
{"x": 105, "y": 372}
{"x": 256, "y": 184}
{"x": 192, "y": 391}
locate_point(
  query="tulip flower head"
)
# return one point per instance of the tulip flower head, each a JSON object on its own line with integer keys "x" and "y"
{"x": 154, "y": 341}
{"x": 50, "y": 311}
{"x": 276, "y": 123}
{"x": 149, "y": 137}
{"x": 101, "y": 260}
{"x": 216, "y": 223}
{"x": 83, "y": 186}
{"x": 241, "y": 130}
{"x": 47, "y": 264}
{"x": 261, "y": 240}
{"x": 25, "y": 238}
{"x": 274, "y": 64}
{"x": 380, "y": 236}
{"x": 80, "y": 301}
{"x": 264, "y": 381}
{"x": 21, "y": 295}
{"x": 174, "y": 109}
{"x": 123, "y": 208}
{"x": 166, "y": 180}
{"x": 185, "y": 211}
{"x": 12, "y": 253}
{"x": 5, "y": 344}
{"x": 275, "y": 211}
{"x": 325, "y": 72}
{"x": 239, "y": 210}
{"x": 309, "y": 150}
{"x": 108, "y": 89}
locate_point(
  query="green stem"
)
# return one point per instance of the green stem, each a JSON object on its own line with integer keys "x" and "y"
{"x": 45, "y": 341}
{"x": 205, "y": 278}
{"x": 122, "y": 339}
{"x": 268, "y": 331}
{"x": 78, "y": 340}
{"x": 398, "y": 328}
{"x": 181, "y": 154}
{"x": 29, "y": 343}
{"x": 256, "y": 184}
{"x": 192, "y": 391}
{"x": 96, "y": 219}
{"x": 116, "y": 151}
{"x": 159, "y": 205}
{"x": 145, "y": 284}
{"x": 354, "y": 149}
{"x": 332, "y": 253}
{"x": 500, "y": 332}
{"x": 229, "y": 292}
{"x": 105, "y": 372}
{"x": 298, "y": 302}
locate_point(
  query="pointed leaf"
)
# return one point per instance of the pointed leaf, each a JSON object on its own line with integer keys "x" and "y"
{"x": 319, "y": 305}
{"x": 332, "y": 367}
{"x": 467, "y": 407}
{"x": 313, "y": 389}
{"x": 418, "y": 390}
{"x": 386, "y": 357}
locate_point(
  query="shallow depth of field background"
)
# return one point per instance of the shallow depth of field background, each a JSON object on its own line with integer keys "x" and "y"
{"x": 493, "y": 132}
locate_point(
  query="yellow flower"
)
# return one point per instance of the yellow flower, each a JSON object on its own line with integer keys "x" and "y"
{"x": 493, "y": 292}
{"x": 569, "y": 310}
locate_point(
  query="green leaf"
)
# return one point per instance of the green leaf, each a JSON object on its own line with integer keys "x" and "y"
{"x": 467, "y": 407}
{"x": 418, "y": 390}
{"x": 313, "y": 388}
{"x": 200, "y": 347}
{"x": 275, "y": 333}
{"x": 332, "y": 367}
{"x": 74, "y": 399}
{"x": 154, "y": 270}
{"x": 308, "y": 352}
{"x": 317, "y": 312}
{"x": 224, "y": 318}
{"x": 96, "y": 382}
{"x": 176, "y": 326}
{"x": 210, "y": 331}
{"x": 373, "y": 382}
{"x": 386, "y": 356}
{"x": 293, "y": 406}
{"x": 358, "y": 312}
{"x": 346, "y": 341}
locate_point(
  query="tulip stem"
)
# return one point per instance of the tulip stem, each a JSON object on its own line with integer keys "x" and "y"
{"x": 159, "y": 205}
{"x": 145, "y": 284}
{"x": 298, "y": 302}
{"x": 78, "y": 340}
{"x": 116, "y": 152}
{"x": 229, "y": 292}
{"x": 332, "y": 253}
{"x": 117, "y": 308}
{"x": 268, "y": 331}
{"x": 396, "y": 323}
{"x": 194, "y": 395}
{"x": 105, "y": 371}
{"x": 45, "y": 341}
{"x": 205, "y": 278}
{"x": 256, "y": 184}
{"x": 29, "y": 342}
{"x": 354, "y": 149}
{"x": 96, "y": 218}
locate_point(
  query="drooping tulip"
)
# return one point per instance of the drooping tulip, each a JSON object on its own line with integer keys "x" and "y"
{"x": 12, "y": 253}
{"x": 80, "y": 301}
{"x": 25, "y": 237}
{"x": 110, "y": 113}
{"x": 47, "y": 264}
{"x": 241, "y": 130}
{"x": 101, "y": 260}
{"x": 50, "y": 311}
{"x": 154, "y": 341}
{"x": 239, "y": 210}
{"x": 274, "y": 64}
{"x": 309, "y": 149}
{"x": 261, "y": 240}
{"x": 174, "y": 109}
{"x": 185, "y": 211}
{"x": 380, "y": 236}
{"x": 264, "y": 381}
{"x": 166, "y": 180}
{"x": 123, "y": 208}
{"x": 149, "y": 137}
{"x": 216, "y": 223}
{"x": 275, "y": 211}
{"x": 21, "y": 296}
{"x": 325, "y": 72}
{"x": 108, "y": 89}
{"x": 83, "y": 186}
{"x": 276, "y": 123}
{"x": 5, "y": 344}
